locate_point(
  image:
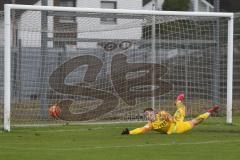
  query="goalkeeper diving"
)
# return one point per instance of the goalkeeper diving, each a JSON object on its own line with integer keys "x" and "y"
{"x": 164, "y": 122}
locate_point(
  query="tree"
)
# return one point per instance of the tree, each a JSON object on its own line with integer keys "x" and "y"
{"x": 176, "y": 5}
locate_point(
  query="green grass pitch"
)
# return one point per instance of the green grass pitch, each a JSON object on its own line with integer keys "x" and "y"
{"x": 211, "y": 140}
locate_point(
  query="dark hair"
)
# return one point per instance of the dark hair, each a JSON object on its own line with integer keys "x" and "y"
{"x": 147, "y": 109}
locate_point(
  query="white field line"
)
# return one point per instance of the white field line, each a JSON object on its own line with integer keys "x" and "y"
{"x": 118, "y": 146}
{"x": 75, "y": 123}
{"x": 66, "y": 130}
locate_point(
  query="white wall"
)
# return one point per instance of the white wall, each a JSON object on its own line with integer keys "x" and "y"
{"x": 108, "y": 31}
{"x": 33, "y": 21}
{"x": 149, "y": 6}
{"x": 121, "y": 4}
{"x": 29, "y": 28}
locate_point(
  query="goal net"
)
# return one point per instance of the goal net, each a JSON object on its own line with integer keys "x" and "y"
{"x": 108, "y": 65}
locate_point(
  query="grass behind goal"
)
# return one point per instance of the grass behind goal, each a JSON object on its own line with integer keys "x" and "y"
{"x": 210, "y": 140}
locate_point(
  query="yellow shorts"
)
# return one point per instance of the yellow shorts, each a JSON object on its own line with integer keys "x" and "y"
{"x": 180, "y": 127}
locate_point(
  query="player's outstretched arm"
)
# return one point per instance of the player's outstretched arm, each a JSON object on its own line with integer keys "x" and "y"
{"x": 125, "y": 131}
{"x": 141, "y": 130}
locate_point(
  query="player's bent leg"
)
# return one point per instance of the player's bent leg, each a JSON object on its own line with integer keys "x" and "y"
{"x": 179, "y": 115}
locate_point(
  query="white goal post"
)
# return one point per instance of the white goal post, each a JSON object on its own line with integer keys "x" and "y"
{"x": 8, "y": 8}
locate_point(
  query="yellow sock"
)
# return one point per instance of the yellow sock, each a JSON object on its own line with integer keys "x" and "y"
{"x": 203, "y": 116}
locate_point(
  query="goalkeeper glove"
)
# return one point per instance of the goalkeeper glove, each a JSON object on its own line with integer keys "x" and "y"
{"x": 125, "y": 131}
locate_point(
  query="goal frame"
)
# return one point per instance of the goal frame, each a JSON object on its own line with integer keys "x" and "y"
{"x": 7, "y": 44}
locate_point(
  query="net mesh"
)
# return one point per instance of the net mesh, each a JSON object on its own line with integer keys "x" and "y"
{"x": 98, "y": 71}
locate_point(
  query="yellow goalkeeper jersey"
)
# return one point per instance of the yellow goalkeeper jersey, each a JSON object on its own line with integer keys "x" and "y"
{"x": 161, "y": 124}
